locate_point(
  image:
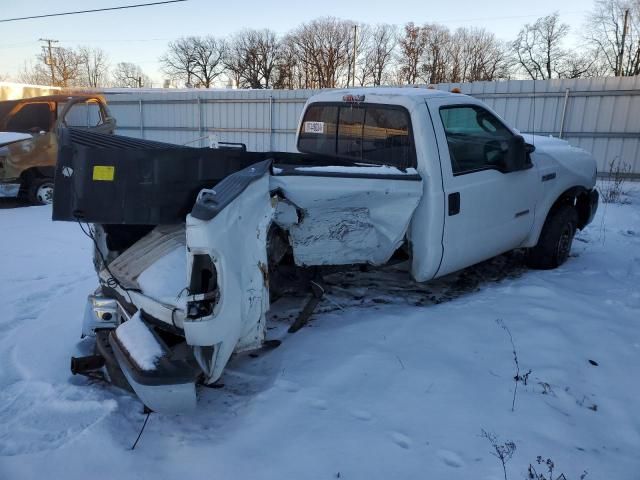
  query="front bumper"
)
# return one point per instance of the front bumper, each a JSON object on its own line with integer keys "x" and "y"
{"x": 9, "y": 189}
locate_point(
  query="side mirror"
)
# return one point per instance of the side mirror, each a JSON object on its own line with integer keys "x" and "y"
{"x": 517, "y": 153}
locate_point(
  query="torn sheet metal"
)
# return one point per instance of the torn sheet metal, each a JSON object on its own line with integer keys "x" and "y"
{"x": 345, "y": 220}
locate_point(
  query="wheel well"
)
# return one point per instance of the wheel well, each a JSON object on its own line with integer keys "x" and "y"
{"x": 30, "y": 174}
{"x": 577, "y": 197}
{"x": 35, "y": 172}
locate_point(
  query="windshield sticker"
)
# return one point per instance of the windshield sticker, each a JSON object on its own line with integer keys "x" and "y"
{"x": 313, "y": 127}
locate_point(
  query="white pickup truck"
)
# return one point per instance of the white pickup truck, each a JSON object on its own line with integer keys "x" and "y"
{"x": 436, "y": 175}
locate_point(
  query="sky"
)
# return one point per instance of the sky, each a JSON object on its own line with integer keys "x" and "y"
{"x": 141, "y": 35}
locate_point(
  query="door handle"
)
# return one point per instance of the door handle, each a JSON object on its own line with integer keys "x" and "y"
{"x": 454, "y": 203}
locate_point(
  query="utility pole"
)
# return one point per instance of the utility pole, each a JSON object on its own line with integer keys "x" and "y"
{"x": 355, "y": 53}
{"x": 624, "y": 38}
{"x": 48, "y": 50}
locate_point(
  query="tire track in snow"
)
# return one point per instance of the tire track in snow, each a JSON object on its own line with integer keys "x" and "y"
{"x": 38, "y": 416}
{"x": 32, "y": 304}
{"x": 37, "y": 412}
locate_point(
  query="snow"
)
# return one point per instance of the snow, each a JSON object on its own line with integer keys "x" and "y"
{"x": 396, "y": 382}
{"x": 138, "y": 340}
{"x": 10, "y": 137}
{"x": 166, "y": 279}
{"x": 370, "y": 170}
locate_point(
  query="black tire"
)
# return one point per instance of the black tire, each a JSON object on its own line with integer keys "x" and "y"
{"x": 554, "y": 244}
{"x": 40, "y": 191}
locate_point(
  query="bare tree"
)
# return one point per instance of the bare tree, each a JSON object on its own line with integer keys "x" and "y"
{"x": 384, "y": 41}
{"x": 252, "y": 58}
{"x": 323, "y": 47}
{"x": 476, "y": 55}
{"x": 374, "y": 53}
{"x": 288, "y": 71}
{"x": 269, "y": 48}
{"x": 412, "y": 46}
{"x": 208, "y": 55}
{"x": 295, "y": 67}
{"x": 95, "y": 66}
{"x": 435, "y": 58}
{"x": 65, "y": 63}
{"x": 582, "y": 64}
{"x": 129, "y": 75}
{"x": 197, "y": 61}
{"x": 179, "y": 61}
{"x": 239, "y": 62}
{"x": 538, "y": 49}
{"x": 619, "y": 50}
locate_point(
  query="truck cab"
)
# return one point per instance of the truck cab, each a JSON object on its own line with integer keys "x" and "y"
{"x": 486, "y": 189}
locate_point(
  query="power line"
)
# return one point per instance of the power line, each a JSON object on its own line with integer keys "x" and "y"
{"x": 18, "y": 45}
{"x": 509, "y": 17}
{"x": 90, "y": 11}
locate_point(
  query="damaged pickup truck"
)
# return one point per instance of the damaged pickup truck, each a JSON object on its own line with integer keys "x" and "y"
{"x": 191, "y": 244}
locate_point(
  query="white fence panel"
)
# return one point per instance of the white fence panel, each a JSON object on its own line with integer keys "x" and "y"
{"x": 601, "y": 115}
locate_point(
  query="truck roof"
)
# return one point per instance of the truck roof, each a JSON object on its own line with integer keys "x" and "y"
{"x": 381, "y": 94}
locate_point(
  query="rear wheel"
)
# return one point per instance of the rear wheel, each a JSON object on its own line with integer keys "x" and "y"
{"x": 40, "y": 191}
{"x": 554, "y": 244}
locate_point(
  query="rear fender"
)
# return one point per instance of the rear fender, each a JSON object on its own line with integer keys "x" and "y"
{"x": 229, "y": 224}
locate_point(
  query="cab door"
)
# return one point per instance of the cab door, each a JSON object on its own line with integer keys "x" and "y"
{"x": 489, "y": 210}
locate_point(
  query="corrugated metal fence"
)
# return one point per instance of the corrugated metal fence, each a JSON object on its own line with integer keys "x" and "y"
{"x": 601, "y": 115}
{"x": 262, "y": 119}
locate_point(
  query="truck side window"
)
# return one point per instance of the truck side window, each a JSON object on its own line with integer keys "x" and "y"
{"x": 83, "y": 115}
{"x": 477, "y": 139}
{"x": 369, "y": 133}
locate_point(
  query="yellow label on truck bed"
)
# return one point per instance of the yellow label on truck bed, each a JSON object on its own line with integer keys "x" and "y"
{"x": 104, "y": 173}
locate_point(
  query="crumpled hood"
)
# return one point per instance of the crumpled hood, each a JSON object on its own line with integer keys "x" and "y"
{"x": 556, "y": 154}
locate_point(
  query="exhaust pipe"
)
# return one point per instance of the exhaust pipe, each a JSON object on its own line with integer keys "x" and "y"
{"x": 81, "y": 365}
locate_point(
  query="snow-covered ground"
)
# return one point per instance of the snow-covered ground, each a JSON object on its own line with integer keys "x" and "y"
{"x": 398, "y": 381}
